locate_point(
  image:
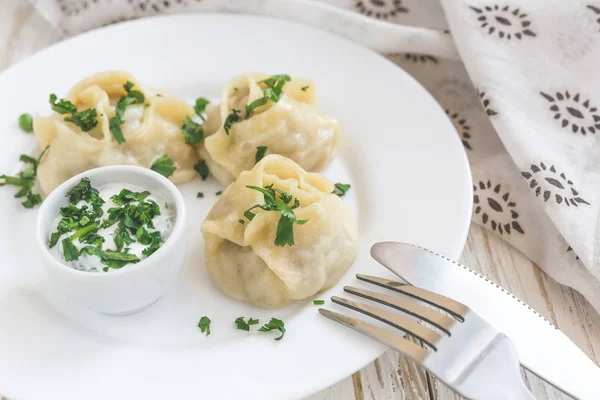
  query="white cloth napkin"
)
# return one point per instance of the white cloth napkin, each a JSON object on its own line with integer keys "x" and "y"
{"x": 524, "y": 95}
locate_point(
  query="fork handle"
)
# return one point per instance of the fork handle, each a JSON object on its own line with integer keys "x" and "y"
{"x": 501, "y": 362}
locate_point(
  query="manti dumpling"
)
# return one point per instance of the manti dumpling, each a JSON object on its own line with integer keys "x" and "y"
{"x": 151, "y": 129}
{"x": 291, "y": 126}
{"x": 241, "y": 254}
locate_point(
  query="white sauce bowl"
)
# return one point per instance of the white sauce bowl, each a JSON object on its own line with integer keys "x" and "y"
{"x": 133, "y": 287}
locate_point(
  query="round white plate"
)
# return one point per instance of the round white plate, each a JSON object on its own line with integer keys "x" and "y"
{"x": 410, "y": 181}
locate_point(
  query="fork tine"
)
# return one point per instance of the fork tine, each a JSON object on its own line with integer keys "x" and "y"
{"x": 453, "y": 307}
{"x": 434, "y": 317}
{"x": 385, "y": 336}
{"x": 421, "y": 332}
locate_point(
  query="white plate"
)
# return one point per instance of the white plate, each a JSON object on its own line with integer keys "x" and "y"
{"x": 410, "y": 181}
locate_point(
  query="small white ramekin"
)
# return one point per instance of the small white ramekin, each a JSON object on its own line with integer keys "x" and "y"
{"x": 133, "y": 287}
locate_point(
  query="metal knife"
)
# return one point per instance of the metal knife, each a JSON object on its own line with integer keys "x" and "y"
{"x": 542, "y": 348}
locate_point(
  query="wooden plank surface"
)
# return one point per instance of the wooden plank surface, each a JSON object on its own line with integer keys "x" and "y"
{"x": 23, "y": 31}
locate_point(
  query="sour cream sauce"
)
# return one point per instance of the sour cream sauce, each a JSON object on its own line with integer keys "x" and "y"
{"x": 91, "y": 263}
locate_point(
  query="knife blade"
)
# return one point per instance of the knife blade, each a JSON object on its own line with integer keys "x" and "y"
{"x": 542, "y": 348}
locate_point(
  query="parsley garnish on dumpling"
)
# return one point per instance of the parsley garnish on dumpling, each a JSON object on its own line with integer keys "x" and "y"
{"x": 200, "y": 107}
{"x": 281, "y": 202}
{"x": 261, "y": 151}
{"x": 193, "y": 133}
{"x": 86, "y": 120}
{"x": 273, "y": 88}
{"x": 132, "y": 97}
{"x": 202, "y": 169}
{"x": 341, "y": 189}
{"x": 164, "y": 166}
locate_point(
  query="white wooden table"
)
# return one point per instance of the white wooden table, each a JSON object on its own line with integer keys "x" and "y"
{"x": 23, "y": 32}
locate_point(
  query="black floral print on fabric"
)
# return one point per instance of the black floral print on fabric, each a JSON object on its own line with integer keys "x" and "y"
{"x": 485, "y": 102}
{"x": 420, "y": 58}
{"x": 495, "y": 207}
{"x": 380, "y": 9}
{"x": 574, "y": 112}
{"x": 506, "y": 22}
{"x": 569, "y": 250}
{"x": 551, "y": 184}
{"x": 597, "y": 11}
{"x": 156, "y": 6}
{"x": 463, "y": 128}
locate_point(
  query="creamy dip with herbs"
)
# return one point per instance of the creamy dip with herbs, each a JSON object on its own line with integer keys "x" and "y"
{"x": 110, "y": 227}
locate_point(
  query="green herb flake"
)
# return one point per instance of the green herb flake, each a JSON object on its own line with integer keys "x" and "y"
{"x": 200, "y": 107}
{"x": 204, "y": 325}
{"x": 133, "y": 97}
{"x": 241, "y": 324}
{"x": 241, "y": 221}
{"x": 274, "y": 324}
{"x": 26, "y": 123}
{"x": 164, "y": 166}
{"x": 70, "y": 252}
{"x": 202, "y": 169}
{"x": 319, "y": 302}
{"x": 86, "y": 120}
{"x": 231, "y": 119}
{"x": 252, "y": 321}
{"x": 62, "y": 106}
{"x": 25, "y": 180}
{"x": 304, "y": 88}
{"x": 200, "y": 195}
{"x": 341, "y": 189}
{"x": 260, "y": 153}
{"x": 278, "y": 201}
{"x": 219, "y": 193}
{"x": 192, "y": 132}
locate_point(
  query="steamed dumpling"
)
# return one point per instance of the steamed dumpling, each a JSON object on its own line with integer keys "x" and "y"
{"x": 292, "y": 127}
{"x": 151, "y": 130}
{"x": 243, "y": 259}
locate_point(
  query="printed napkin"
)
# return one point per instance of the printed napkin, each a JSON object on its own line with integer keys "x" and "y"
{"x": 519, "y": 80}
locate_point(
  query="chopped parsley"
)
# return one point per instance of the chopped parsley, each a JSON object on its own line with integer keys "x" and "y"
{"x": 62, "y": 106}
{"x": 319, "y": 302}
{"x": 219, "y": 193}
{"x": 304, "y": 88}
{"x": 200, "y": 107}
{"x": 260, "y": 153}
{"x": 274, "y": 324}
{"x": 278, "y": 201}
{"x": 341, "y": 189}
{"x": 241, "y": 324}
{"x": 82, "y": 218}
{"x": 192, "y": 132}
{"x": 272, "y": 92}
{"x": 204, "y": 325}
{"x": 202, "y": 169}
{"x": 86, "y": 119}
{"x": 132, "y": 97}
{"x": 163, "y": 166}
{"x": 200, "y": 195}
{"x": 26, "y": 123}
{"x": 25, "y": 180}
{"x": 231, "y": 119}
{"x": 241, "y": 221}
{"x": 70, "y": 252}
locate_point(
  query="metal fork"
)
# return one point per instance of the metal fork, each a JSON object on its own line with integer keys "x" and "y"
{"x": 461, "y": 349}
